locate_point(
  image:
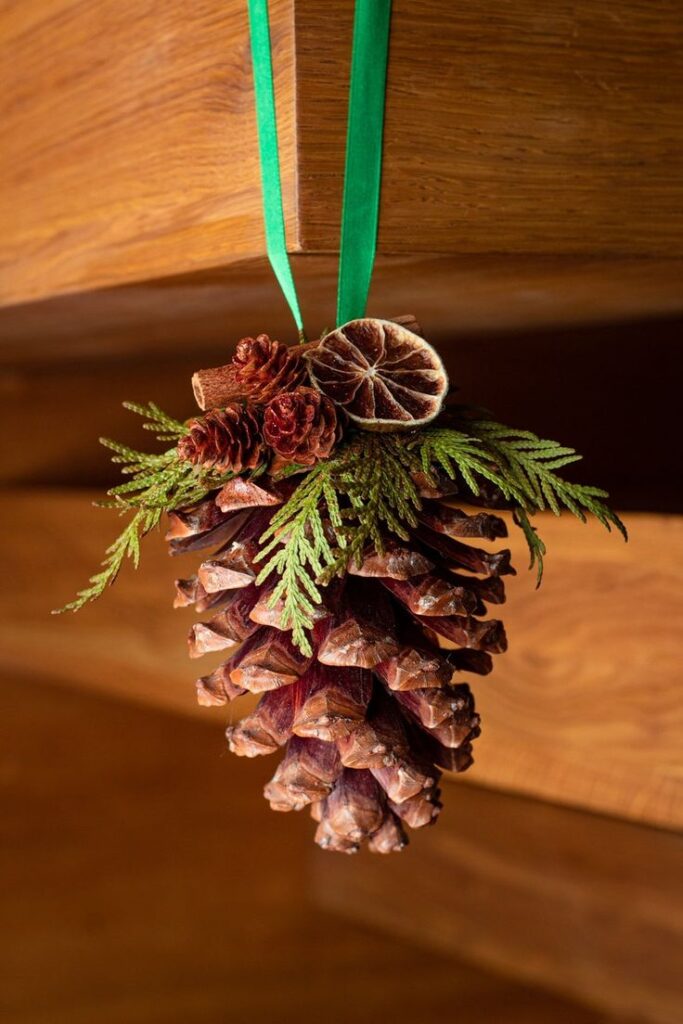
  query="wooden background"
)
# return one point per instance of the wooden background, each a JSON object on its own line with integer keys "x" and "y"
{"x": 590, "y": 905}
{"x": 134, "y": 892}
{"x": 130, "y": 141}
{"x": 532, "y": 220}
{"x": 512, "y": 127}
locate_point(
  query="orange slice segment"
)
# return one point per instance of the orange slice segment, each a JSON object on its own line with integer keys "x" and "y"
{"x": 383, "y": 375}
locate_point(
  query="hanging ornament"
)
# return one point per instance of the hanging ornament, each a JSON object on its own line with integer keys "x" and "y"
{"x": 320, "y": 485}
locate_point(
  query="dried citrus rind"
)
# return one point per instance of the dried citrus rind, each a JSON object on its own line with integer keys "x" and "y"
{"x": 383, "y": 375}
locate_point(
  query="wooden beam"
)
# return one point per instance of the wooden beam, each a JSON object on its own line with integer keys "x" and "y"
{"x": 570, "y": 901}
{"x": 509, "y": 128}
{"x": 582, "y": 709}
{"x": 130, "y": 148}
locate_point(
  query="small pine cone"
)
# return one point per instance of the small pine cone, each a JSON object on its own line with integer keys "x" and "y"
{"x": 263, "y": 368}
{"x": 369, "y": 721}
{"x": 260, "y": 370}
{"x": 226, "y": 439}
{"x": 301, "y": 426}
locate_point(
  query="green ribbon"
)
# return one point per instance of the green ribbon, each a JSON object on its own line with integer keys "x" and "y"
{"x": 271, "y": 184}
{"x": 363, "y": 170}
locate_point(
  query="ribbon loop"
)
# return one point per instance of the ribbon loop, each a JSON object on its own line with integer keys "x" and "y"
{"x": 271, "y": 184}
{"x": 363, "y": 172}
{"x": 363, "y": 168}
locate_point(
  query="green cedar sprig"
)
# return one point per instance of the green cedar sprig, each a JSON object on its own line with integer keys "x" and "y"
{"x": 537, "y": 548}
{"x": 458, "y": 453}
{"x": 367, "y": 486}
{"x": 158, "y": 484}
{"x": 524, "y": 467}
{"x": 299, "y": 550}
{"x": 343, "y": 504}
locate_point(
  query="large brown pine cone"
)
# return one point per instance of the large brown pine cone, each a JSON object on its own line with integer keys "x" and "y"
{"x": 301, "y": 426}
{"x": 369, "y": 721}
{"x": 226, "y": 439}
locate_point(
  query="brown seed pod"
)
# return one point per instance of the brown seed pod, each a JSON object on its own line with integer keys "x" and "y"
{"x": 301, "y": 426}
{"x": 385, "y": 376}
{"x": 226, "y": 439}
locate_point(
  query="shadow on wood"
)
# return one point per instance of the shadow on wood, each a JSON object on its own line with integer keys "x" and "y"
{"x": 571, "y": 901}
{"x": 145, "y": 881}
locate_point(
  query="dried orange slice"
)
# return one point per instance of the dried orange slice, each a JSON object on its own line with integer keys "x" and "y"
{"x": 383, "y": 375}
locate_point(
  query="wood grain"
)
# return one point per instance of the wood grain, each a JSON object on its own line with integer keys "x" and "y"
{"x": 582, "y": 710}
{"x": 509, "y": 127}
{"x": 130, "y": 142}
{"x": 571, "y": 901}
{"x": 132, "y": 644}
{"x": 145, "y": 881}
{"x": 130, "y": 150}
{"x": 453, "y": 296}
{"x": 585, "y": 707}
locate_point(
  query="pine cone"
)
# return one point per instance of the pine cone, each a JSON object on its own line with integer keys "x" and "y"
{"x": 370, "y": 720}
{"x": 301, "y": 426}
{"x": 260, "y": 370}
{"x": 226, "y": 439}
{"x": 264, "y": 368}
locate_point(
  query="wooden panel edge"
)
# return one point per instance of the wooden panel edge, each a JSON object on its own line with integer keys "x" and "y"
{"x": 574, "y": 902}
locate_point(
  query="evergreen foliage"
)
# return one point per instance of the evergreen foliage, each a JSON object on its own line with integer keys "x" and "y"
{"x": 349, "y": 501}
{"x": 159, "y": 483}
{"x": 524, "y": 468}
{"x": 342, "y": 505}
{"x": 367, "y": 487}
